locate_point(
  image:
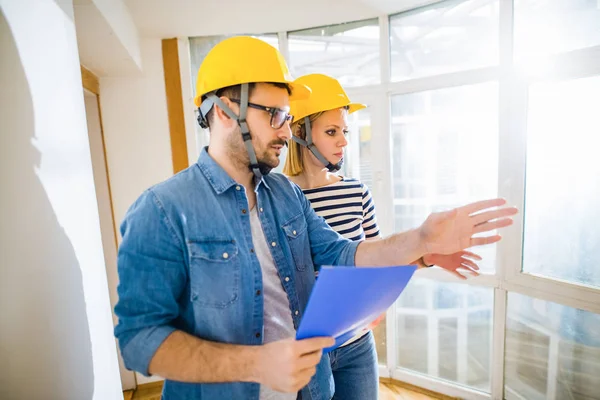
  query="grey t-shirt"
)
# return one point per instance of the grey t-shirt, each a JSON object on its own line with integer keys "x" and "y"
{"x": 278, "y": 323}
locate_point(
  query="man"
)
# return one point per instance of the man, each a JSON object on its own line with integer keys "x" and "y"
{"x": 217, "y": 263}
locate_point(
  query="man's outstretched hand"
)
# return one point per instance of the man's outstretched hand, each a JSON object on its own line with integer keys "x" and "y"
{"x": 450, "y": 232}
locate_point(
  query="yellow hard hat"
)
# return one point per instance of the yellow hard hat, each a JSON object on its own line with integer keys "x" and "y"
{"x": 244, "y": 59}
{"x": 326, "y": 94}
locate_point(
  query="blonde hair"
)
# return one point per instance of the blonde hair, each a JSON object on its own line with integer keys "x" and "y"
{"x": 294, "y": 165}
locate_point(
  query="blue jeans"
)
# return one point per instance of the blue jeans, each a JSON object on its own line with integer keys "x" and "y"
{"x": 355, "y": 370}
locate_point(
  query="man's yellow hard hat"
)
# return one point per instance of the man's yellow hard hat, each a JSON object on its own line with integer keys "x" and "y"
{"x": 326, "y": 94}
{"x": 244, "y": 59}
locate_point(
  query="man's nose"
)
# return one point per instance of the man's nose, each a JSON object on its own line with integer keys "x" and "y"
{"x": 285, "y": 132}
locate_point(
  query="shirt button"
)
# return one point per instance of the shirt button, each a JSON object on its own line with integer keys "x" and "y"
{"x": 287, "y": 278}
{"x": 273, "y": 244}
{"x": 243, "y": 211}
{"x": 225, "y": 255}
{"x": 251, "y": 250}
{"x": 261, "y": 210}
{"x": 238, "y": 188}
{"x": 294, "y": 233}
{"x": 257, "y": 334}
{"x": 258, "y": 292}
{"x": 296, "y": 313}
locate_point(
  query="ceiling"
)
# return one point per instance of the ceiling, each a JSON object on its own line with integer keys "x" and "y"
{"x": 180, "y": 18}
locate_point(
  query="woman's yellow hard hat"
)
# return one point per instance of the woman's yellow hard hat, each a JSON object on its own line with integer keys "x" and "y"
{"x": 244, "y": 59}
{"x": 326, "y": 94}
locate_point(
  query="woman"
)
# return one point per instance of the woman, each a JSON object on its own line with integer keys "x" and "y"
{"x": 315, "y": 154}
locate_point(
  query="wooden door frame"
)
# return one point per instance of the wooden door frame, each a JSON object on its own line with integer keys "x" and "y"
{"x": 92, "y": 84}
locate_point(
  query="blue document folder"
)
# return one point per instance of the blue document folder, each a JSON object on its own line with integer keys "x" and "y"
{"x": 345, "y": 300}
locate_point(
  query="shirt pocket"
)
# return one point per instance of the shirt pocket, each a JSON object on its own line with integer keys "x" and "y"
{"x": 297, "y": 237}
{"x": 214, "y": 272}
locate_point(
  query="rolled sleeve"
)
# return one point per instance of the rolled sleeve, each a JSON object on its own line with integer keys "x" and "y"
{"x": 139, "y": 351}
{"x": 152, "y": 276}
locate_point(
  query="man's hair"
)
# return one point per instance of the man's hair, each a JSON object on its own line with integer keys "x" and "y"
{"x": 235, "y": 92}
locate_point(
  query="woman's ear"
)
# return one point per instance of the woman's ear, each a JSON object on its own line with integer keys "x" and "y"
{"x": 300, "y": 132}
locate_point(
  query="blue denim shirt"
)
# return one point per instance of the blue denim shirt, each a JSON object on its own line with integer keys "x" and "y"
{"x": 186, "y": 263}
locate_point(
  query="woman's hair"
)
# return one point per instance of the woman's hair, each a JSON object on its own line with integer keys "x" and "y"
{"x": 293, "y": 162}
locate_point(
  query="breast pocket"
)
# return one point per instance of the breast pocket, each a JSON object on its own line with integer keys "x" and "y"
{"x": 214, "y": 272}
{"x": 297, "y": 237}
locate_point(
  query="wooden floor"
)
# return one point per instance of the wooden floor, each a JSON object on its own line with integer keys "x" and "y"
{"x": 387, "y": 391}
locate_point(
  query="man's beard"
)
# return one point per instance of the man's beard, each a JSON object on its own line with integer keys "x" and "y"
{"x": 240, "y": 153}
{"x": 264, "y": 164}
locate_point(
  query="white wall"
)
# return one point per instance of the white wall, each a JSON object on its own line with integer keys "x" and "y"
{"x": 107, "y": 37}
{"x": 118, "y": 17}
{"x": 56, "y": 338}
{"x": 136, "y": 129}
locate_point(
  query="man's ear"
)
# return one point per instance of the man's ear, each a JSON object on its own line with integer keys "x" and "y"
{"x": 222, "y": 116}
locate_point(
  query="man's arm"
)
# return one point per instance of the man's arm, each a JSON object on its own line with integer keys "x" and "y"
{"x": 445, "y": 232}
{"x": 186, "y": 358}
{"x": 286, "y": 365}
{"x": 398, "y": 249}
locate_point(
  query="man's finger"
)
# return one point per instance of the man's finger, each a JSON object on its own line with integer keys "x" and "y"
{"x": 470, "y": 264}
{"x": 480, "y": 241}
{"x": 469, "y": 269}
{"x": 306, "y": 346}
{"x": 493, "y": 214}
{"x": 472, "y": 256}
{"x": 310, "y": 359}
{"x": 482, "y": 205}
{"x": 490, "y": 226}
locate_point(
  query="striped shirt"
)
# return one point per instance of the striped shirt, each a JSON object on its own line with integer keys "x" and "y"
{"x": 347, "y": 207}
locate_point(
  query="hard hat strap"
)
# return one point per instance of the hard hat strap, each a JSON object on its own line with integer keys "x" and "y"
{"x": 254, "y": 166}
{"x": 207, "y": 105}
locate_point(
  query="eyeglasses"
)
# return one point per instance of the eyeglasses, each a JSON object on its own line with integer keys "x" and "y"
{"x": 278, "y": 115}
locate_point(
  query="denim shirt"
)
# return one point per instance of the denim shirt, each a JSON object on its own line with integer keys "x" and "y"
{"x": 187, "y": 263}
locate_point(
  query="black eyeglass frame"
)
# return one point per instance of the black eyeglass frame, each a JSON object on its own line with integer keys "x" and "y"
{"x": 272, "y": 111}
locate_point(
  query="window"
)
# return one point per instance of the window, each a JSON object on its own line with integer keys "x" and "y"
{"x": 552, "y": 351}
{"x": 562, "y": 202}
{"x": 349, "y": 52}
{"x": 544, "y": 28}
{"x": 446, "y": 37}
{"x": 445, "y": 152}
{"x": 445, "y": 330}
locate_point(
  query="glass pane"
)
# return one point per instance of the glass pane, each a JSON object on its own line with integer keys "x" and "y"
{"x": 562, "y": 232}
{"x": 445, "y": 331}
{"x": 445, "y": 153}
{"x": 446, "y": 37}
{"x": 548, "y": 27}
{"x": 552, "y": 351}
{"x": 349, "y": 52}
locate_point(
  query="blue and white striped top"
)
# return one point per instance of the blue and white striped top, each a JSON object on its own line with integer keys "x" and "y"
{"x": 347, "y": 207}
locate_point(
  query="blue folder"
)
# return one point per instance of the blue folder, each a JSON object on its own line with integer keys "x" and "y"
{"x": 345, "y": 300}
